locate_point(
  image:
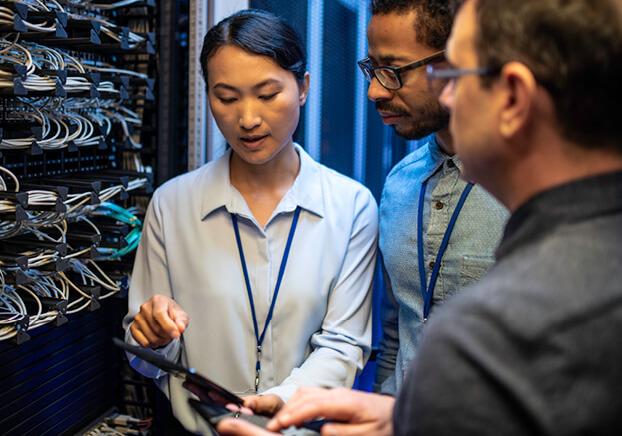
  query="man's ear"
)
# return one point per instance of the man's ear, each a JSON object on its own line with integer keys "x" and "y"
{"x": 521, "y": 89}
{"x": 304, "y": 88}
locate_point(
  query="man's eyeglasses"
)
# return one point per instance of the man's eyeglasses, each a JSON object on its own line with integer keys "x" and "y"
{"x": 391, "y": 77}
{"x": 440, "y": 76}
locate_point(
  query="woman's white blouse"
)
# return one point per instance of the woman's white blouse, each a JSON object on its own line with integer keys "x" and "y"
{"x": 320, "y": 333}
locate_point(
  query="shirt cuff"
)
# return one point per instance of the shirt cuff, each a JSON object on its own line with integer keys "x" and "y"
{"x": 388, "y": 387}
{"x": 285, "y": 392}
{"x": 170, "y": 351}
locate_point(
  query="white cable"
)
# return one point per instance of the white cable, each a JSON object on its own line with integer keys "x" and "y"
{"x": 107, "y": 6}
{"x": 116, "y": 70}
{"x": 12, "y": 176}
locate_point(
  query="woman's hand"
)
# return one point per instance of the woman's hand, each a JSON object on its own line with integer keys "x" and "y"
{"x": 239, "y": 427}
{"x": 266, "y": 405}
{"x": 159, "y": 321}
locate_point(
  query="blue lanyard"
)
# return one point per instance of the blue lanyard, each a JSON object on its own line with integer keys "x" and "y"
{"x": 427, "y": 289}
{"x": 259, "y": 338}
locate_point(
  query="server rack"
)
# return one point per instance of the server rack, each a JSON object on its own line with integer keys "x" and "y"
{"x": 87, "y": 132}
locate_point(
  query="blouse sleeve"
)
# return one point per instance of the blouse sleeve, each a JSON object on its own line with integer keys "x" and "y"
{"x": 149, "y": 277}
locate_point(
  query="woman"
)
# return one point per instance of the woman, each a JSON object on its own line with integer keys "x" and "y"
{"x": 268, "y": 253}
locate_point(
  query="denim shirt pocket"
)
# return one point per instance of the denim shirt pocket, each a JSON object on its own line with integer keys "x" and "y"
{"x": 473, "y": 268}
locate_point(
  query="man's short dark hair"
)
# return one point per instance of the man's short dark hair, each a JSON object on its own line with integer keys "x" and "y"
{"x": 573, "y": 48}
{"x": 433, "y": 20}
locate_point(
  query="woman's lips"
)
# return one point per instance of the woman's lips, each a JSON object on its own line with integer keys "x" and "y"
{"x": 253, "y": 142}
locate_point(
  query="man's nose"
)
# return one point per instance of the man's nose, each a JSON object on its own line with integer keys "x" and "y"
{"x": 377, "y": 92}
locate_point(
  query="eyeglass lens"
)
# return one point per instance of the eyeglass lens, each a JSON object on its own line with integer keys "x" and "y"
{"x": 387, "y": 78}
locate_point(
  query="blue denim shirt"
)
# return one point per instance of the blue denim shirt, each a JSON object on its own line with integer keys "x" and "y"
{"x": 469, "y": 254}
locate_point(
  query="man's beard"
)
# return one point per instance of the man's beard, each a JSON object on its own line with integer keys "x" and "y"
{"x": 429, "y": 119}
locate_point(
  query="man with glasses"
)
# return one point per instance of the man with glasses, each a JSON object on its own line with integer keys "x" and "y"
{"x": 533, "y": 348}
{"x": 437, "y": 231}
{"x": 534, "y": 88}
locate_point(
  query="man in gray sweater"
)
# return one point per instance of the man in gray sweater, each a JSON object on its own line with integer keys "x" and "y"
{"x": 534, "y": 348}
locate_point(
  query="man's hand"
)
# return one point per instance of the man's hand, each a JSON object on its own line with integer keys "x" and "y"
{"x": 354, "y": 412}
{"x": 266, "y": 405}
{"x": 159, "y": 321}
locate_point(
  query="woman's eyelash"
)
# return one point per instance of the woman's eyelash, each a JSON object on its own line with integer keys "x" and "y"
{"x": 268, "y": 96}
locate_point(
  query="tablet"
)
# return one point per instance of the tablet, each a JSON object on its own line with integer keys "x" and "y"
{"x": 202, "y": 387}
{"x": 213, "y": 397}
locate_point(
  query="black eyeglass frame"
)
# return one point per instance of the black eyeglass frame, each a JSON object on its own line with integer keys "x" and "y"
{"x": 370, "y": 71}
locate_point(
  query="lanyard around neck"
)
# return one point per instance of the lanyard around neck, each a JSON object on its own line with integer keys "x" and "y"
{"x": 427, "y": 289}
{"x": 260, "y": 337}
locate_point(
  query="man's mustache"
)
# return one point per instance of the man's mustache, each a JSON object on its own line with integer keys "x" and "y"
{"x": 387, "y": 107}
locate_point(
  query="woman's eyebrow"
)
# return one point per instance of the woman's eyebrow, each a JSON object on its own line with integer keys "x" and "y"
{"x": 257, "y": 86}
{"x": 225, "y": 86}
{"x": 266, "y": 82}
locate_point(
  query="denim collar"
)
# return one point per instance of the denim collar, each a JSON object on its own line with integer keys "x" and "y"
{"x": 437, "y": 157}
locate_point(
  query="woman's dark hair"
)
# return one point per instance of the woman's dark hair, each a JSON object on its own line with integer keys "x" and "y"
{"x": 258, "y": 32}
